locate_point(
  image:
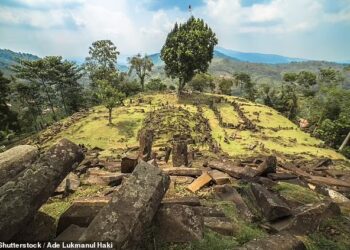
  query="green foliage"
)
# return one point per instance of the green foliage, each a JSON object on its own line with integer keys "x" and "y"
{"x": 247, "y": 86}
{"x": 130, "y": 88}
{"x": 8, "y": 119}
{"x": 284, "y": 99}
{"x": 202, "y": 82}
{"x": 225, "y": 86}
{"x": 101, "y": 63}
{"x": 56, "y": 79}
{"x": 155, "y": 84}
{"x": 142, "y": 67}
{"x": 109, "y": 96}
{"x": 188, "y": 50}
{"x": 330, "y": 76}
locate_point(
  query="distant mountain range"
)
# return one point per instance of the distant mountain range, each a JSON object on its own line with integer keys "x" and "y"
{"x": 225, "y": 60}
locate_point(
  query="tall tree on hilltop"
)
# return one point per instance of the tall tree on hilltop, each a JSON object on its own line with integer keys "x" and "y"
{"x": 109, "y": 96}
{"x": 188, "y": 50}
{"x": 8, "y": 119}
{"x": 102, "y": 60}
{"x": 141, "y": 65}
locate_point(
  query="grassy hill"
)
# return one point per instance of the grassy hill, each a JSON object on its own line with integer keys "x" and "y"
{"x": 168, "y": 115}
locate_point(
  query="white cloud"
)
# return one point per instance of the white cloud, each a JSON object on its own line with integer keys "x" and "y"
{"x": 68, "y": 27}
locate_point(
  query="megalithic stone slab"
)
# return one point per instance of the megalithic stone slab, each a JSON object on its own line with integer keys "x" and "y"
{"x": 178, "y": 223}
{"x": 131, "y": 209}
{"x": 146, "y": 140}
{"x": 270, "y": 205}
{"x": 24, "y": 195}
{"x": 200, "y": 182}
{"x": 15, "y": 160}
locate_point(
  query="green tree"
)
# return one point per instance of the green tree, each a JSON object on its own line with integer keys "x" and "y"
{"x": 155, "y": 84}
{"x": 290, "y": 77}
{"x": 109, "y": 96}
{"x": 202, "y": 82}
{"x": 42, "y": 72}
{"x": 8, "y": 119}
{"x": 142, "y": 67}
{"x": 306, "y": 78}
{"x": 330, "y": 76}
{"x": 67, "y": 85}
{"x": 225, "y": 86}
{"x": 246, "y": 85}
{"x": 101, "y": 62}
{"x": 29, "y": 96}
{"x": 188, "y": 50}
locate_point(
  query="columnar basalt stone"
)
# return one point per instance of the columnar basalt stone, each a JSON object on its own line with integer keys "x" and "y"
{"x": 131, "y": 209}
{"x": 180, "y": 154}
{"x": 15, "y": 160}
{"x": 178, "y": 223}
{"x": 21, "y": 197}
{"x": 146, "y": 140}
{"x": 270, "y": 204}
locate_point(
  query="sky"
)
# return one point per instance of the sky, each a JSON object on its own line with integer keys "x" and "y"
{"x": 311, "y": 29}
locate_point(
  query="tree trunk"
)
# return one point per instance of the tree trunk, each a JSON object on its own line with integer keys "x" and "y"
{"x": 109, "y": 116}
{"x": 64, "y": 103}
{"x": 345, "y": 142}
{"x": 181, "y": 85}
{"x": 49, "y": 100}
{"x": 142, "y": 81}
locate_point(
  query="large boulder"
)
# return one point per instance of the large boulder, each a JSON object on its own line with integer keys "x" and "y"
{"x": 178, "y": 223}
{"x": 307, "y": 218}
{"x": 268, "y": 166}
{"x": 131, "y": 209}
{"x": 271, "y": 205}
{"x": 24, "y": 195}
{"x": 228, "y": 193}
{"x": 15, "y": 160}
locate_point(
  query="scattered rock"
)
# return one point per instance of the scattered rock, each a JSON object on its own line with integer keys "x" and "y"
{"x": 180, "y": 154}
{"x": 182, "y": 171}
{"x": 178, "y": 223}
{"x": 281, "y": 176}
{"x": 105, "y": 179}
{"x": 228, "y": 193}
{"x": 271, "y": 205}
{"x": 188, "y": 201}
{"x": 268, "y": 166}
{"x": 25, "y": 194}
{"x": 128, "y": 164}
{"x": 131, "y": 208}
{"x": 70, "y": 184}
{"x": 307, "y": 218}
{"x": 200, "y": 182}
{"x": 219, "y": 177}
{"x": 275, "y": 242}
{"x": 221, "y": 225}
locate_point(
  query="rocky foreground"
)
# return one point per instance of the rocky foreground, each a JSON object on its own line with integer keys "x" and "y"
{"x": 169, "y": 195}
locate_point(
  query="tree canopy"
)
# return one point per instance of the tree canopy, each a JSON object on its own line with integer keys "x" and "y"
{"x": 188, "y": 50}
{"x": 142, "y": 67}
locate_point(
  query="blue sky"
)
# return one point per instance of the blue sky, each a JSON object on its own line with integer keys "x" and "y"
{"x": 313, "y": 29}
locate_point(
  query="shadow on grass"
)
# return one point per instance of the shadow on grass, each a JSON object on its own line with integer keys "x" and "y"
{"x": 126, "y": 128}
